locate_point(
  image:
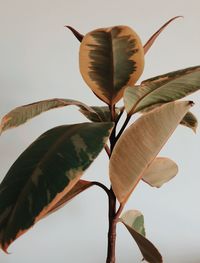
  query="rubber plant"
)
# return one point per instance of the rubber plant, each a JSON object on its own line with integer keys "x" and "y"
{"x": 48, "y": 173}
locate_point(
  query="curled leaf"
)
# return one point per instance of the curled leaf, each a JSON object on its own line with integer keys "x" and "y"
{"x": 160, "y": 171}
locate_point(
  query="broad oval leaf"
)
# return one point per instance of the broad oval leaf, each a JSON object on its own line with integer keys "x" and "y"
{"x": 162, "y": 89}
{"x": 111, "y": 59}
{"x": 44, "y": 173}
{"x": 160, "y": 171}
{"x": 134, "y": 222}
{"x": 139, "y": 145}
{"x": 150, "y": 42}
{"x": 22, "y": 114}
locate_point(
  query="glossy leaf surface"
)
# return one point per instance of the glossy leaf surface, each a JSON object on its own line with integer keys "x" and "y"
{"x": 140, "y": 144}
{"x": 134, "y": 222}
{"x": 44, "y": 173}
{"x": 111, "y": 59}
{"x": 162, "y": 89}
{"x": 22, "y": 114}
{"x": 160, "y": 171}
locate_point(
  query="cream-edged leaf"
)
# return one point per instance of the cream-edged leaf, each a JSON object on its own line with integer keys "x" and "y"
{"x": 160, "y": 171}
{"x": 22, "y": 114}
{"x": 162, "y": 89}
{"x": 111, "y": 59}
{"x": 140, "y": 144}
{"x": 44, "y": 173}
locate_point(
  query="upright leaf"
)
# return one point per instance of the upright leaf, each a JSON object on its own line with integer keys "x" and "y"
{"x": 162, "y": 89}
{"x": 134, "y": 222}
{"x": 44, "y": 173}
{"x": 152, "y": 39}
{"x": 111, "y": 59}
{"x": 160, "y": 171}
{"x": 139, "y": 145}
{"x": 78, "y": 35}
{"x": 22, "y": 114}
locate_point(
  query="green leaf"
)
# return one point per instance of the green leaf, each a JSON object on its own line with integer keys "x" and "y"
{"x": 160, "y": 171}
{"x": 22, "y": 114}
{"x": 111, "y": 59}
{"x": 162, "y": 89}
{"x": 150, "y": 42}
{"x": 190, "y": 121}
{"x": 134, "y": 222}
{"x": 79, "y": 187}
{"x": 140, "y": 144}
{"x": 44, "y": 173}
{"x": 101, "y": 113}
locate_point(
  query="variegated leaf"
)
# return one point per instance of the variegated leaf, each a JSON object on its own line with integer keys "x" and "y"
{"x": 160, "y": 171}
{"x": 44, "y": 173}
{"x": 150, "y": 42}
{"x": 79, "y": 187}
{"x": 22, "y": 114}
{"x": 134, "y": 222}
{"x": 111, "y": 59}
{"x": 139, "y": 145}
{"x": 101, "y": 113}
{"x": 190, "y": 121}
{"x": 162, "y": 89}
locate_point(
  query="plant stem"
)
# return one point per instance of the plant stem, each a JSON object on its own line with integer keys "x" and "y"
{"x": 112, "y": 202}
{"x": 112, "y": 228}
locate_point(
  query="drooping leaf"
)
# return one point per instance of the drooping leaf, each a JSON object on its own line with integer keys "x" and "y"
{"x": 111, "y": 59}
{"x": 134, "y": 222}
{"x": 79, "y": 187}
{"x": 190, "y": 121}
{"x": 160, "y": 171}
{"x": 101, "y": 113}
{"x": 162, "y": 89}
{"x": 150, "y": 42}
{"x": 44, "y": 173}
{"x": 22, "y": 114}
{"x": 139, "y": 145}
{"x": 78, "y": 35}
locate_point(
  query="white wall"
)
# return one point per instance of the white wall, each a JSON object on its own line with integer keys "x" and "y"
{"x": 39, "y": 60}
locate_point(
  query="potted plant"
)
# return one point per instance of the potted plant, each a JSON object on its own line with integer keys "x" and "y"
{"x": 48, "y": 173}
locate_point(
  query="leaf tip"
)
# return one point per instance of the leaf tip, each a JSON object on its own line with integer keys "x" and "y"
{"x": 78, "y": 35}
{"x": 191, "y": 103}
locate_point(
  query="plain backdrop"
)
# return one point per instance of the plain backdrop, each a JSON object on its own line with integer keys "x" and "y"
{"x": 39, "y": 60}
